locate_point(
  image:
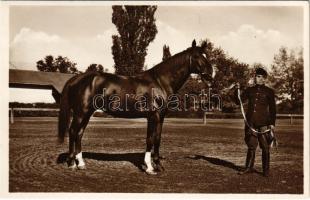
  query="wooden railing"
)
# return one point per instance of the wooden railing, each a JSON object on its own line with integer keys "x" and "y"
{"x": 28, "y": 109}
{"x": 230, "y": 115}
{"x": 234, "y": 115}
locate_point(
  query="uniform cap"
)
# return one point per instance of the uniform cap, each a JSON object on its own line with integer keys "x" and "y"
{"x": 261, "y": 71}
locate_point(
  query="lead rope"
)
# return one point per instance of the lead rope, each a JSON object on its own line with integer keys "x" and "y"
{"x": 274, "y": 141}
{"x": 244, "y": 117}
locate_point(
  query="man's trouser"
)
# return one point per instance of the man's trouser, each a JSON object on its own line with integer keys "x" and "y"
{"x": 252, "y": 139}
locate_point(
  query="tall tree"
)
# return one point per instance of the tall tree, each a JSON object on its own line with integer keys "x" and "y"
{"x": 136, "y": 27}
{"x": 287, "y": 79}
{"x": 166, "y": 52}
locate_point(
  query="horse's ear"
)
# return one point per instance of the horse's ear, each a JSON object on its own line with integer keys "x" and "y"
{"x": 194, "y": 43}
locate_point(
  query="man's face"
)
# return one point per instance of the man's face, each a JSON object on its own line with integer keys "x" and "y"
{"x": 260, "y": 79}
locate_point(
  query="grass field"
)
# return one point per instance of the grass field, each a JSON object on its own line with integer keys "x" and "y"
{"x": 197, "y": 158}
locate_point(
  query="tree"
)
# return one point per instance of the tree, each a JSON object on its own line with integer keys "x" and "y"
{"x": 166, "y": 52}
{"x": 60, "y": 64}
{"x": 95, "y": 67}
{"x": 136, "y": 27}
{"x": 64, "y": 65}
{"x": 287, "y": 79}
{"x": 47, "y": 65}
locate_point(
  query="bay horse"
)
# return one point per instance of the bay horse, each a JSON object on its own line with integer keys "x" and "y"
{"x": 80, "y": 92}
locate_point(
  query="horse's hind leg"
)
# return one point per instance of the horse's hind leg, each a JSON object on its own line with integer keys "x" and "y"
{"x": 72, "y": 136}
{"x": 78, "y": 142}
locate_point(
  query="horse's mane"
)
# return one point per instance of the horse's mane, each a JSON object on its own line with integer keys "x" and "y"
{"x": 171, "y": 61}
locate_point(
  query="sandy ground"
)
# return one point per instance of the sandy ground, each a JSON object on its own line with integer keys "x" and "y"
{"x": 197, "y": 158}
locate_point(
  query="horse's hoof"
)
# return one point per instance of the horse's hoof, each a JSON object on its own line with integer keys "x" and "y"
{"x": 81, "y": 167}
{"x": 159, "y": 168}
{"x": 72, "y": 167}
{"x": 151, "y": 172}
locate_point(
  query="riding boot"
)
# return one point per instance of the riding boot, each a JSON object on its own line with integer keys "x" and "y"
{"x": 265, "y": 162}
{"x": 250, "y": 159}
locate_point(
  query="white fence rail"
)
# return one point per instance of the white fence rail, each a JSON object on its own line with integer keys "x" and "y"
{"x": 28, "y": 109}
{"x": 290, "y": 116}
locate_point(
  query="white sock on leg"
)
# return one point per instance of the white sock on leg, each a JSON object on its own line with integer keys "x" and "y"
{"x": 80, "y": 159}
{"x": 148, "y": 161}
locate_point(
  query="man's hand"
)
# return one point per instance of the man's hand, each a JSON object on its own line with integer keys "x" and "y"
{"x": 272, "y": 127}
{"x": 238, "y": 85}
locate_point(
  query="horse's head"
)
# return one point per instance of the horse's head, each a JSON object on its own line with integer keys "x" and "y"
{"x": 199, "y": 62}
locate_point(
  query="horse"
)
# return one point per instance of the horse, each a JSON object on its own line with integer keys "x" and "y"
{"x": 80, "y": 95}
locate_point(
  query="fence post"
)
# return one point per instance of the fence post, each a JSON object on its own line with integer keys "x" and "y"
{"x": 12, "y": 115}
{"x": 204, "y": 118}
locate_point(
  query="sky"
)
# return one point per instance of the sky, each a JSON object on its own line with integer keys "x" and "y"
{"x": 83, "y": 34}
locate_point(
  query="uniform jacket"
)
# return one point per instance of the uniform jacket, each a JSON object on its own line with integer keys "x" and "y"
{"x": 261, "y": 105}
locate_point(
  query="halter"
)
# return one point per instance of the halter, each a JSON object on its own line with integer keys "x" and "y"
{"x": 190, "y": 66}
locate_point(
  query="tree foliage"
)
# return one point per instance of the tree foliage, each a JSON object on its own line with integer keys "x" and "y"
{"x": 47, "y": 65}
{"x": 287, "y": 79}
{"x": 136, "y": 27}
{"x": 166, "y": 52}
{"x": 60, "y": 64}
{"x": 229, "y": 71}
{"x": 96, "y": 67}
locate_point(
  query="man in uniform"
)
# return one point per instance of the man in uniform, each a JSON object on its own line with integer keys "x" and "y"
{"x": 260, "y": 116}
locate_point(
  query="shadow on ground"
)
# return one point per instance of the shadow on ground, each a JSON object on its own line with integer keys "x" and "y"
{"x": 217, "y": 161}
{"x": 137, "y": 159}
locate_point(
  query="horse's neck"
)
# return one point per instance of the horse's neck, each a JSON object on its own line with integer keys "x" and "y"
{"x": 173, "y": 73}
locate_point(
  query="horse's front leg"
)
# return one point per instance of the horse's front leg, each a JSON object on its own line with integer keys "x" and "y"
{"x": 152, "y": 124}
{"x": 157, "y": 140}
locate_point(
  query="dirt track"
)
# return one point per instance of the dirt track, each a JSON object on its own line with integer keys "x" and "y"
{"x": 197, "y": 158}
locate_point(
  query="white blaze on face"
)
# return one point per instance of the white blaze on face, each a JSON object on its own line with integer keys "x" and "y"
{"x": 148, "y": 161}
{"x": 214, "y": 70}
{"x": 204, "y": 55}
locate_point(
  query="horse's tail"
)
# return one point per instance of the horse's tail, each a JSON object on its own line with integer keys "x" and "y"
{"x": 64, "y": 114}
